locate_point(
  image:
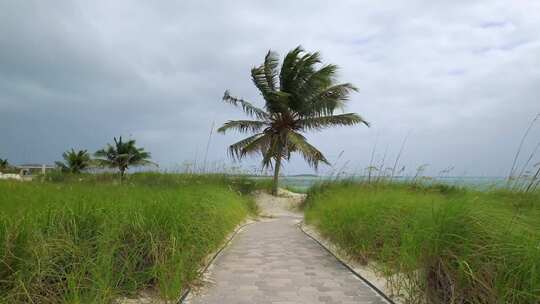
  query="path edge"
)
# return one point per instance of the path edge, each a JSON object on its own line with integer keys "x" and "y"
{"x": 226, "y": 244}
{"x": 300, "y": 226}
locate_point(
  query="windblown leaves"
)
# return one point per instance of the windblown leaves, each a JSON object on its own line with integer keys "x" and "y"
{"x": 122, "y": 155}
{"x": 74, "y": 161}
{"x": 3, "y": 163}
{"x": 301, "y": 96}
{"x": 243, "y": 126}
{"x": 322, "y": 122}
{"x": 247, "y": 107}
{"x": 298, "y": 143}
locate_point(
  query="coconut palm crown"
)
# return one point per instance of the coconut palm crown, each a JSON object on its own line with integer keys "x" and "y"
{"x": 74, "y": 161}
{"x": 122, "y": 155}
{"x": 302, "y": 96}
{"x": 4, "y": 164}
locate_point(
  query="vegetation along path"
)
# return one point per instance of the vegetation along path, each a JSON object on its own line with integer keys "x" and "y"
{"x": 272, "y": 261}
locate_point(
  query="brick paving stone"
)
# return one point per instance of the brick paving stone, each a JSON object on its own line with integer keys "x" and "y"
{"x": 272, "y": 261}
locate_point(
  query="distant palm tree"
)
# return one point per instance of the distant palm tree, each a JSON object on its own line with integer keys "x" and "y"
{"x": 74, "y": 161}
{"x": 4, "y": 164}
{"x": 123, "y": 155}
{"x": 300, "y": 97}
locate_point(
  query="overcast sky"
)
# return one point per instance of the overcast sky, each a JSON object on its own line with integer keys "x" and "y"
{"x": 461, "y": 77}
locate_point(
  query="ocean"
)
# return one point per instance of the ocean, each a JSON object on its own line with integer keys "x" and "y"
{"x": 303, "y": 182}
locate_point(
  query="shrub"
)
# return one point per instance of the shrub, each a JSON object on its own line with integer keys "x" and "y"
{"x": 440, "y": 244}
{"x": 88, "y": 240}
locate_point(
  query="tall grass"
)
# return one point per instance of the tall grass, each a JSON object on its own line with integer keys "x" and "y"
{"x": 437, "y": 244}
{"x": 89, "y": 239}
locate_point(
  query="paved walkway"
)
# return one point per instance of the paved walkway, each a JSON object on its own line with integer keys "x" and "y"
{"x": 272, "y": 261}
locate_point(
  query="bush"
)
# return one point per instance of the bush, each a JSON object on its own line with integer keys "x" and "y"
{"x": 88, "y": 240}
{"x": 440, "y": 244}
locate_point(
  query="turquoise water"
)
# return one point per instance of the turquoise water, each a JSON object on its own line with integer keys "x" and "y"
{"x": 478, "y": 182}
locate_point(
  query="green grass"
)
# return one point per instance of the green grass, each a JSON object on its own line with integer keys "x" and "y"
{"x": 89, "y": 239}
{"x": 437, "y": 243}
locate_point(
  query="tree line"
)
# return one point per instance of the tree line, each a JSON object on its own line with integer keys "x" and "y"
{"x": 120, "y": 155}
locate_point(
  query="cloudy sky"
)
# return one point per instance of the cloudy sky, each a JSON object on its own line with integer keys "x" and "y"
{"x": 462, "y": 78}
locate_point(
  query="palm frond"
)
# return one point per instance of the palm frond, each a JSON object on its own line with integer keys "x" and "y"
{"x": 143, "y": 162}
{"x": 122, "y": 155}
{"x": 300, "y": 70}
{"x": 247, "y": 107}
{"x": 276, "y": 148}
{"x": 258, "y": 76}
{"x": 74, "y": 161}
{"x": 278, "y": 102}
{"x": 288, "y": 67}
{"x": 317, "y": 82}
{"x": 330, "y": 99}
{"x": 298, "y": 143}
{"x": 303, "y": 69}
{"x": 4, "y": 163}
{"x": 268, "y": 156}
{"x": 259, "y": 145}
{"x": 61, "y": 166}
{"x": 243, "y": 126}
{"x": 235, "y": 150}
{"x": 101, "y": 152}
{"x": 271, "y": 62}
{"x": 264, "y": 76}
{"x": 321, "y": 122}
{"x": 104, "y": 163}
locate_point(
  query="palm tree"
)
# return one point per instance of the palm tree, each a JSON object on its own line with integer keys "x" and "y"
{"x": 74, "y": 161}
{"x": 300, "y": 97}
{"x": 123, "y": 155}
{"x": 4, "y": 164}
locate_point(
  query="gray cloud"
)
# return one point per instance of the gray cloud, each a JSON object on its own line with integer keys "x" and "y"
{"x": 462, "y": 76}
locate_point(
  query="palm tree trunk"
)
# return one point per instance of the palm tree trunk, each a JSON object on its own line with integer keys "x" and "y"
{"x": 276, "y": 176}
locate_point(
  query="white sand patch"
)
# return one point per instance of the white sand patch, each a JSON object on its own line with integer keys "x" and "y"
{"x": 285, "y": 204}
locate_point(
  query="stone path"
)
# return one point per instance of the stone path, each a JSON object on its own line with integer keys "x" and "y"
{"x": 272, "y": 261}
